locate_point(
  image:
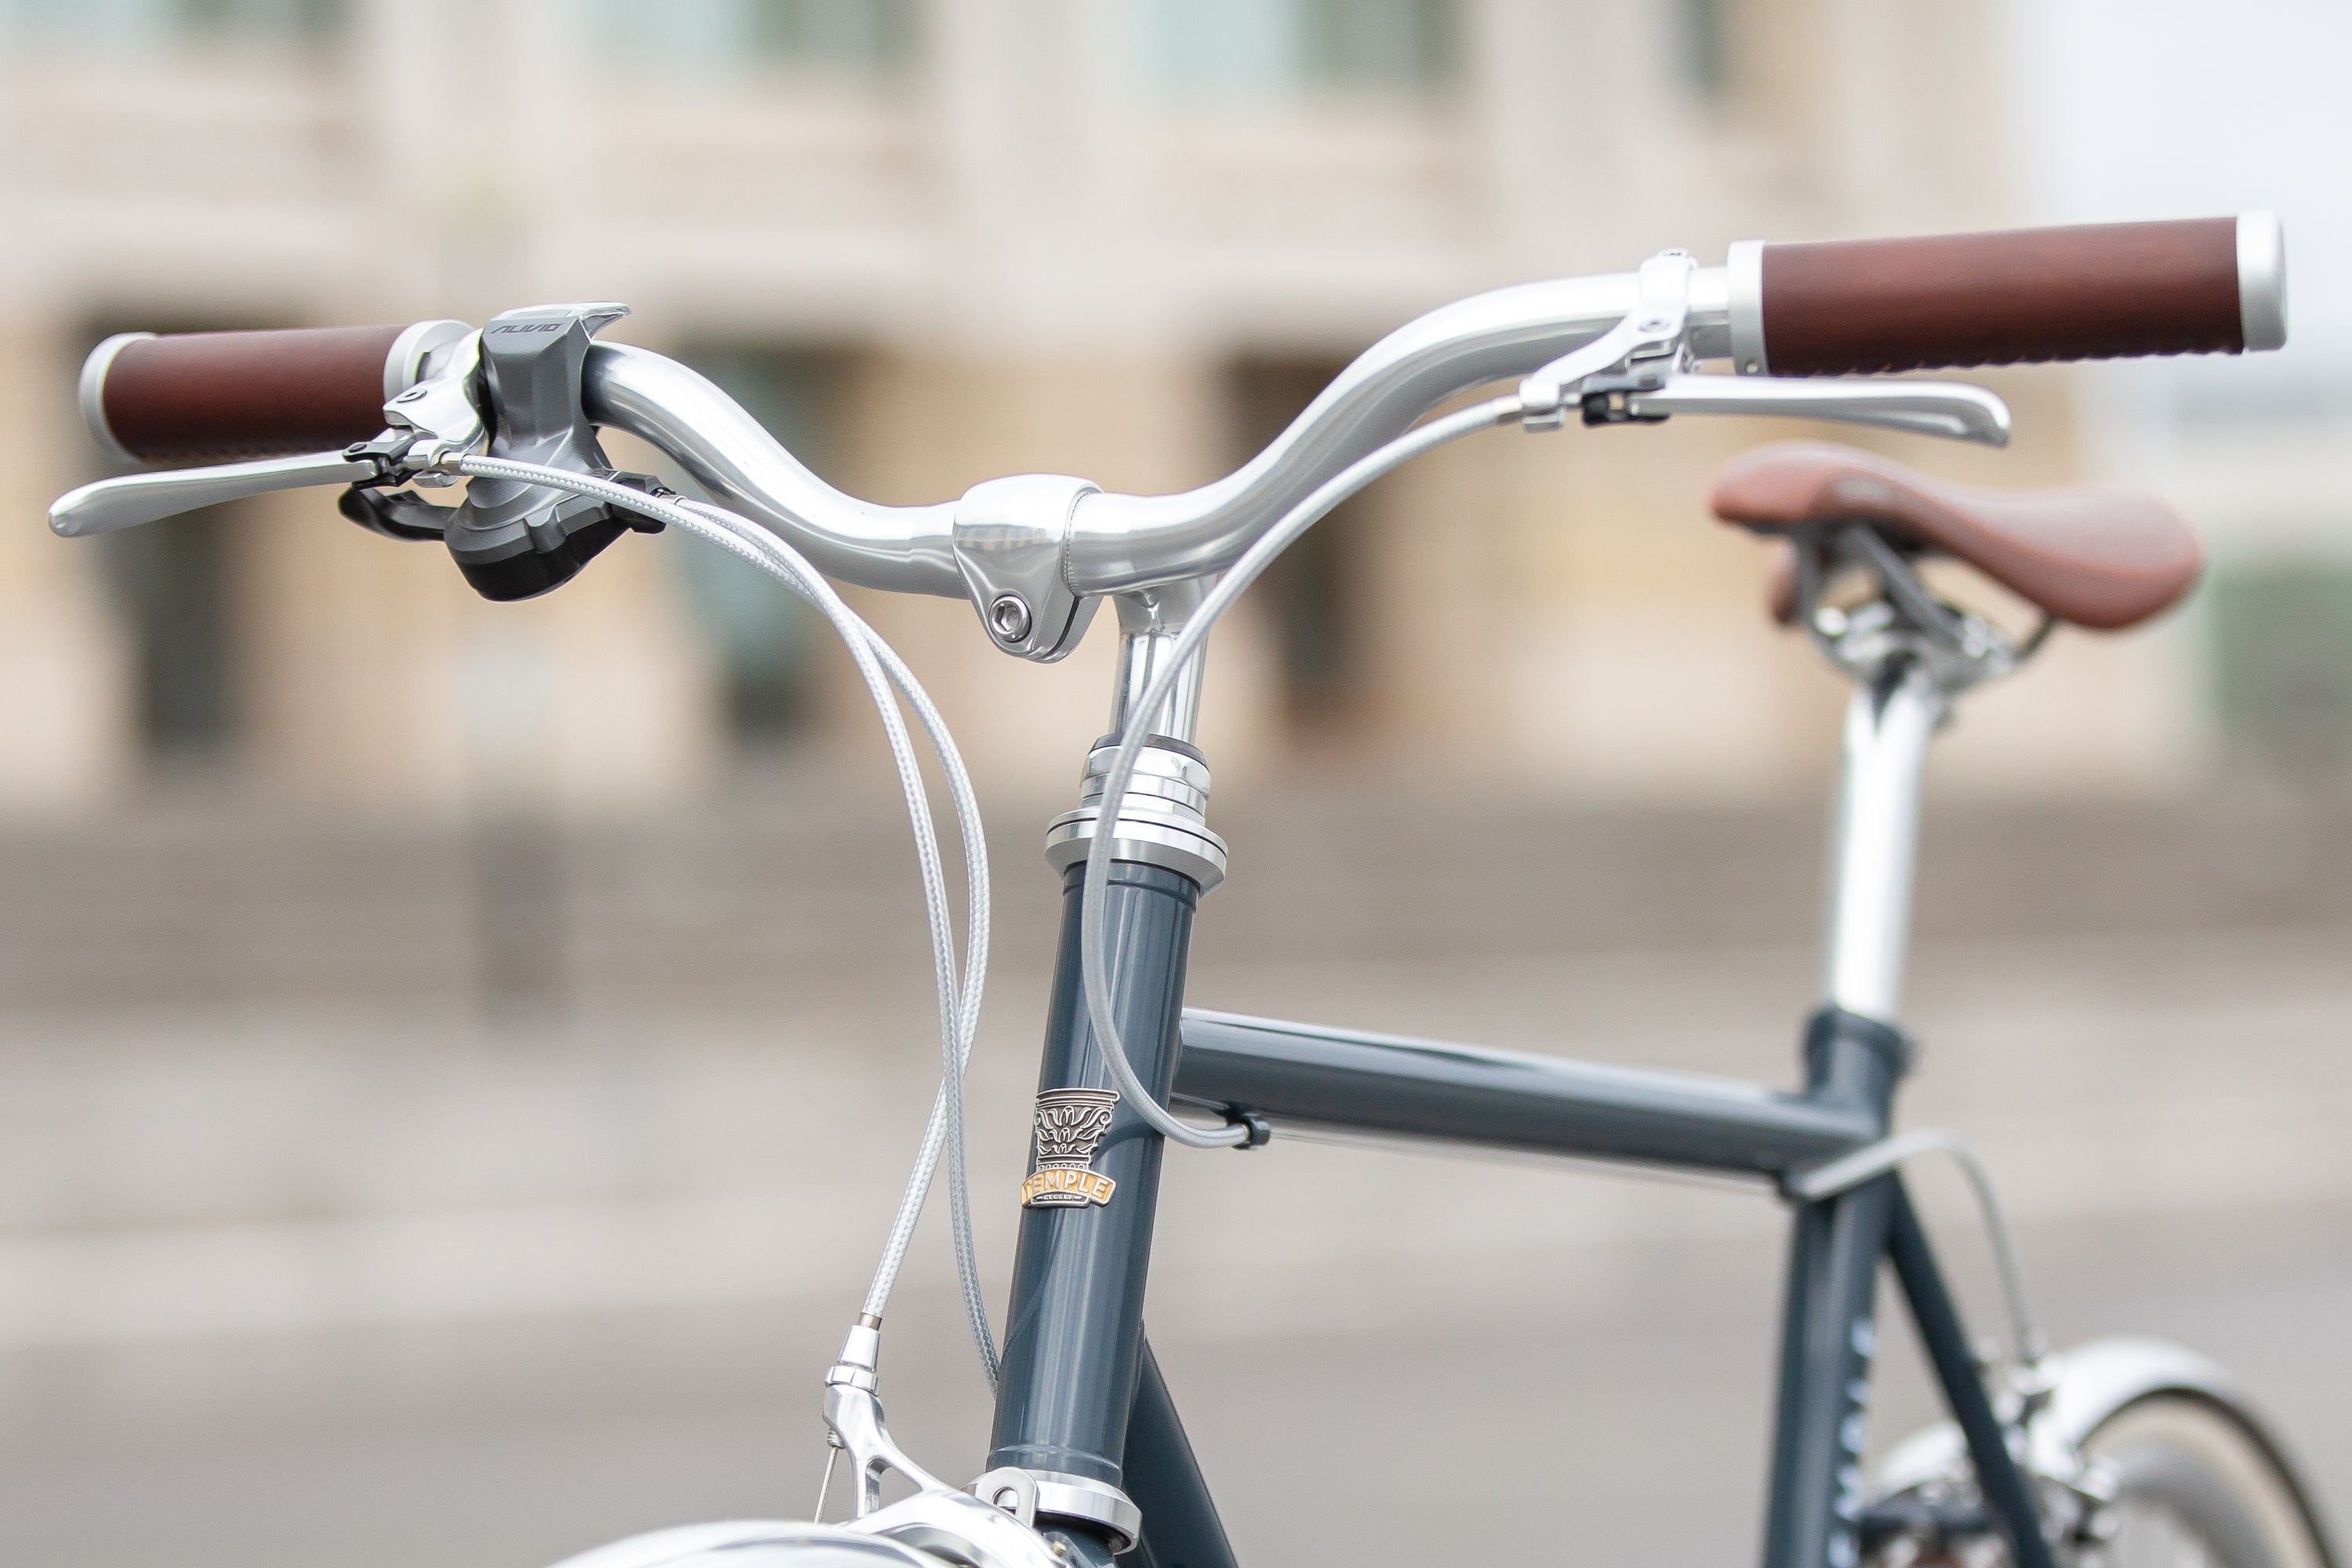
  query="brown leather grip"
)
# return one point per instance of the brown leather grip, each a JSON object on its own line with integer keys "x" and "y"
{"x": 2097, "y": 291}
{"x": 222, "y": 397}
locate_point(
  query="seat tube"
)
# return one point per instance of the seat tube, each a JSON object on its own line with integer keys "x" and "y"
{"x": 1887, "y": 727}
{"x": 1073, "y": 1328}
{"x": 1854, "y": 1055}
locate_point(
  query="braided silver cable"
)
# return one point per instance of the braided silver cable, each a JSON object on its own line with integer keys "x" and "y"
{"x": 881, "y": 668}
{"x": 1092, "y": 942}
{"x": 946, "y": 1127}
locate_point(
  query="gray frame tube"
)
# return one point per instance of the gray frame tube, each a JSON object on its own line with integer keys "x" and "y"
{"x": 1828, "y": 1334}
{"x": 1074, "y": 1329}
{"x": 1508, "y": 1100}
{"x": 1181, "y": 1527}
{"x": 1829, "y": 1328}
{"x": 2003, "y": 1484}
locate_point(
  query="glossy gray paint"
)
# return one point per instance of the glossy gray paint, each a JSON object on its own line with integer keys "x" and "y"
{"x": 1181, "y": 1527}
{"x": 2005, "y": 1487}
{"x": 1073, "y": 1330}
{"x": 1507, "y": 1100}
{"x": 1829, "y": 1336}
{"x": 1829, "y": 1328}
{"x": 1067, "y": 1374}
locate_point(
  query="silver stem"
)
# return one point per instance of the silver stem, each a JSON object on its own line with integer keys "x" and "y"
{"x": 1887, "y": 727}
{"x": 1149, "y": 623}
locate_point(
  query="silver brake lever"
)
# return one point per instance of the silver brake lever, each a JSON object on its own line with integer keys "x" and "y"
{"x": 1947, "y": 408}
{"x": 1642, "y": 350}
{"x": 438, "y": 412}
{"x": 135, "y": 499}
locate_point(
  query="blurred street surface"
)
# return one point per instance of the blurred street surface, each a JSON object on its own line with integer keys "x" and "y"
{"x": 375, "y": 1196}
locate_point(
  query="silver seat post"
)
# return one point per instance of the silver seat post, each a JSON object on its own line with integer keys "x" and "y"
{"x": 1888, "y": 724}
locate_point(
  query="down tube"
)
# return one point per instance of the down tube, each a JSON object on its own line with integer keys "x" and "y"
{"x": 1074, "y": 1333}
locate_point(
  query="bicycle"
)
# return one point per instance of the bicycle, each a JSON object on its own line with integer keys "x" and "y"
{"x": 2122, "y": 1452}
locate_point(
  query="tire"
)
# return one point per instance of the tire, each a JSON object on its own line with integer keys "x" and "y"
{"x": 2198, "y": 1487}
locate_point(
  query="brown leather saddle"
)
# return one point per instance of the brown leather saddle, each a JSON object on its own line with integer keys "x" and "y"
{"x": 2097, "y": 557}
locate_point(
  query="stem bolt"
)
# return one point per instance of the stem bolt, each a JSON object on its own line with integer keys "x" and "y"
{"x": 1008, "y": 617}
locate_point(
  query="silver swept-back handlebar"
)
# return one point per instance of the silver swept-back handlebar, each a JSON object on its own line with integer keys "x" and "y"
{"x": 900, "y": 549}
{"x": 1117, "y": 542}
{"x": 1121, "y": 541}
{"x": 1035, "y": 553}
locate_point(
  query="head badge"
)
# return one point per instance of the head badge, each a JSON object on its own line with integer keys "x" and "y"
{"x": 1070, "y": 1123}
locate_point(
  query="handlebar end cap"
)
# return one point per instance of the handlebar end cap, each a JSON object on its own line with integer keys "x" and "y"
{"x": 2262, "y": 280}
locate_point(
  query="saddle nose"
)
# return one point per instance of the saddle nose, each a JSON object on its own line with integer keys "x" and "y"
{"x": 2099, "y": 557}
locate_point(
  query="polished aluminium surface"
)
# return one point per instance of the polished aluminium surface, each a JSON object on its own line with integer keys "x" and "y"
{"x": 1743, "y": 271}
{"x": 955, "y": 1527}
{"x": 901, "y": 549}
{"x": 1117, "y": 542}
{"x": 1031, "y": 551}
{"x": 1953, "y": 410}
{"x": 753, "y": 1543}
{"x": 136, "y": 498}
{"x": 1009, "y": 536}
{"x": 852, "y": 1416}
{"x": 1309, "y": 1075}
{"x": 1646, "y": 345}
{"x": 1149, "y": 621}
{"x": 1888, "y": 724}
{"x": 1120, "y": 542}
{"x": 1009, "y": 1488}
{"x": 1162, "y": 821}
{"x": 93, "y": 395}
{"x": 1090, "y": 1501}
{"x": 936, "y": 1528}
{"x": 438, "y": 412}
{"x": 2262, "y": 280}
{"x": 421, "y": 350}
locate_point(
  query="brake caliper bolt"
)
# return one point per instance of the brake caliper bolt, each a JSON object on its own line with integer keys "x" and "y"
{"x": 1008, "y": 617}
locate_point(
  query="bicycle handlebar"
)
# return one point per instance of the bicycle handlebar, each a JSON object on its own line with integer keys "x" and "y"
{"x": 1122, "y": 541}
{"x": 901, "y": 549}
{"x": 2105, "y": 291}
{"x": 2092, "y": 291}
{"x": 2211, "y": 285}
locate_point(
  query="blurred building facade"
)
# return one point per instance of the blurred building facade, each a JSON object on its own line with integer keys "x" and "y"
{"x": 933, "y": 241}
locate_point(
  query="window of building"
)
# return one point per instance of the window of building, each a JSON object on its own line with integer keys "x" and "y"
{"x": 171, "y": 580}
{"x": 173, "y": 584}
{"x": 1314, "y": 589}
{"x": 706, "y": 37}
{"x": 1703, "y": 47}
{"x": 119, "y": 24}
{"x": 763, "y": 638}
{"x": 2282, "y": 647}
{"x": 1243, "y": 48}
